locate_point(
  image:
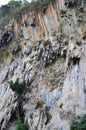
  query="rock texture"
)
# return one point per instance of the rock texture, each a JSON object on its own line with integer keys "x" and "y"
{"x": 48, "y": 53}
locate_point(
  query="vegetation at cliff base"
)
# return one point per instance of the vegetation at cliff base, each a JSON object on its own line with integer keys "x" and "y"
{"x": 79, "y": 125}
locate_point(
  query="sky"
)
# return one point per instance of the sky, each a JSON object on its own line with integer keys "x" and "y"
{"x": 3, "y": 2}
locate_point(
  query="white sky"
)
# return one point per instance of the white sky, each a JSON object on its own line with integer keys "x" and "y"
{"x": 3, "y": 2}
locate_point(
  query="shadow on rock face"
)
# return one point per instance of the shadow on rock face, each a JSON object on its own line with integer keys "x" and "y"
{"x": 6, "y": 37}
{"x": 73, "y": 3}
{"x": 74, "y": 61}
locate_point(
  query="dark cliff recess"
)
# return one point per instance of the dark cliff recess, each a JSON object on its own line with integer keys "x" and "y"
{"x": 6, "y": 37}
{"x": 74, "y": 3}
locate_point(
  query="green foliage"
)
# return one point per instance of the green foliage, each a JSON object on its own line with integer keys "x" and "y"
{"x": 79, "y": 125}
{"x": 13, "y": 3}
{"x": 4, "y": 15}
{"x": 40, "y": 4}
{"x": 21, "y": 126}
{"x": 61, "y": 105}
{"x": 17, "y": 87}
{"x": 15, "y": 8}
{"x": 30, "y": 61}
{"x": 46, "y": 43}
{"x": 4, "y": 20}
{"x": 19, "y": 115}
{"x": 31, "y": 115}
{"x": 12, "y": 9}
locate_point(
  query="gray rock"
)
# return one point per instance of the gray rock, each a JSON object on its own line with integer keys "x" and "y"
{"x": 28, "y": 51}
{"x": 4, "y": 74}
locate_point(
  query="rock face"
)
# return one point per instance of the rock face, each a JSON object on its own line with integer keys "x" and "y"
{"x": 6, "y": 35}
{"x": 48, "y": 54}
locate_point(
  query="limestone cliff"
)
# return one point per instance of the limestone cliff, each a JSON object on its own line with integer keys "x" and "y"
{"x": 46, "y": 50}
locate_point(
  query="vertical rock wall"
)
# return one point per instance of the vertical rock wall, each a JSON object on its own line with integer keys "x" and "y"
{"x": 49, "y": 56}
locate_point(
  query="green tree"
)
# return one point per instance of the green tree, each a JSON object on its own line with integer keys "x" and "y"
{"x": 17, "y": 87}
{"x": 79, "y": 125}
{"x": 21, "y": 126}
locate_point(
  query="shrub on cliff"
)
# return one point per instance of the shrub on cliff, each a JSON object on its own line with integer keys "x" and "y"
{"x": 17, "y": 87}
{"x": 46, "y": 43}
{"x": 79, "y": 125}
{"x": 21, "y": 126}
